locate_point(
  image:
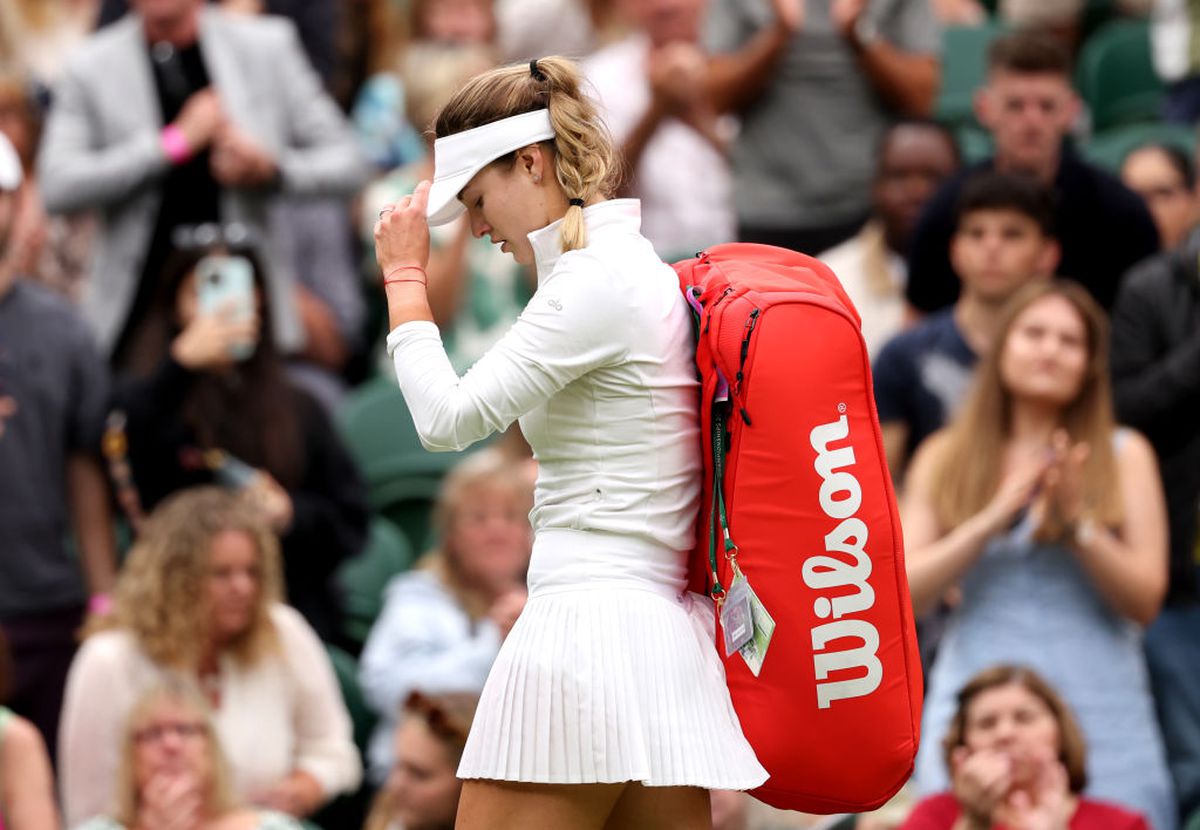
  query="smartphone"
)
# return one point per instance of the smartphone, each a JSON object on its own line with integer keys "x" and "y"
{"x": 226, "y": 283}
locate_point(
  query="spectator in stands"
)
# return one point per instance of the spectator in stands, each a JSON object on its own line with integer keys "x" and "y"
{"x": 814, "y": 83}
{"x": 1028, "y": 105}
{"x": 1050, "y": 523}
{"x": 475, "y": 290}
{"x": 1165, "y": 178}
{"x": 155, "y": 132}
{"x": 53, "y": 398}
{"x": 199, "y": 597}
{"x": 422, "y": 789}
{"x": 1156, "y": 375}
{"x": 381, "y": 115}
{"x": 173, "y": 774}
{"x": 26, "y": 780}
{"x": 1016, "y": 758}
{"x": 190, "y": 394}
{"x": 1004, "y": 240}
{"x": 1173, "y": 28}
{"x": 915, "y": 157}
{"x": 443, "y": 623}
{"x": 650, "y": 87}
{"x": 52, "y": 250}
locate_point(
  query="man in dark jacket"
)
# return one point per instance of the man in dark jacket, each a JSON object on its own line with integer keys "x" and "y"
{"x": 1029, "y": 106}
{"x": 1156, "y": 374}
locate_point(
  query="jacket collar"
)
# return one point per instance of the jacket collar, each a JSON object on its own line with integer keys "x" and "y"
{"x": 601, "y": 220}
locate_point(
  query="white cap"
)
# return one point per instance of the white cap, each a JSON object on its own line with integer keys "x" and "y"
{"x": 457, "y": 158}
{"x": 10, "y": 165}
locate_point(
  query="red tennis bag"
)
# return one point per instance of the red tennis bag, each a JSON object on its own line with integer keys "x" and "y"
{"x": 804, "y": 511}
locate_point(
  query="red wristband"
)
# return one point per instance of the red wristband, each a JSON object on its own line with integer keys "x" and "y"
{"x": 100, "y": 604}
{"x": 387, "y": 278}
{"x": 174, "y": 143}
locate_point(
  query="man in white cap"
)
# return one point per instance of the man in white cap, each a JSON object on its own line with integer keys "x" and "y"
{"x": 53, "y": 400}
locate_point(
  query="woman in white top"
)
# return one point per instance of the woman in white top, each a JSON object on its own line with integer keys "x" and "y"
{"x": 444, "y": 620}
{"x": 607, "y": 704}
{"x": 198, "y": 598}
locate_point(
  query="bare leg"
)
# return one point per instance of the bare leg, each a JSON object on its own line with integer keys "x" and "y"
{"x": 661, "y": 808}
{"x": 501, "y": 805}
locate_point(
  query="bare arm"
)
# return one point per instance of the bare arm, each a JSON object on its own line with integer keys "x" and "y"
{"x": 906, "y": 81}
{"x": 1129, "y": 568}
{"x": 27, "y": 797}
{"x": 935, "y": 559}
{"x": 91, "y": 515}
{"x": 737, "y": 79}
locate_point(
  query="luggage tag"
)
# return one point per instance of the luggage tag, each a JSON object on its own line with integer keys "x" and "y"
{"x": 737, "y": 619}
{"x": 754, "y": 652}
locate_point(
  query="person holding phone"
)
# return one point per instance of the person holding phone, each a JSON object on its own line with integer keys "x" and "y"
{"x": 606, "y": 705}
{"x": 208, "y": 401}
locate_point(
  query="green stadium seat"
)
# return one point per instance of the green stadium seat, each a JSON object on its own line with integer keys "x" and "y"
{"x": 345, "y": 668}
{"x": 1115, "y": 75}
{"x": 964, "y": 70}
{"x": 402, "y": 476}
{"x": 1108, "y": 149}
{"x": 363, "y": 578}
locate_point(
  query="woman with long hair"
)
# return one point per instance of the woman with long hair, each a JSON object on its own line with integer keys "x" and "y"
{"x": 1017, "y": 758}
{"x": 199, "y": 598}
{"x": 444, "y": 621}
{"x": 1046, "y": 523}
{"x": 606, "y": 705}
{"x": 422, "y": 789}
{"x": 207, "y": 400}
{"x": 173, "y": 774}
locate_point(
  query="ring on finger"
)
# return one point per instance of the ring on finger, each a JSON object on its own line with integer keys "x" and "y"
{"x": 386, "y": 211}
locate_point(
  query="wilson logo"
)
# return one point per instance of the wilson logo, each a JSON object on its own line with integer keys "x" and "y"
{"x": 844, "y": 565}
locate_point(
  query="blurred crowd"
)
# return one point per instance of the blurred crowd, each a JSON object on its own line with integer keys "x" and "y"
{"x": 235, "y": 592}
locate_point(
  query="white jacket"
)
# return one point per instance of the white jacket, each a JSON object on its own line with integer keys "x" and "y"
{"x": 600, "y": 370}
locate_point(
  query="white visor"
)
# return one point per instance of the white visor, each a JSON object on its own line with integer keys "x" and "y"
{"x": 457, "y": 158}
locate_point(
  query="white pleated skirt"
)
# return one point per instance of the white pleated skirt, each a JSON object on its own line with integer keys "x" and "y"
{"x": 609, "y": 675}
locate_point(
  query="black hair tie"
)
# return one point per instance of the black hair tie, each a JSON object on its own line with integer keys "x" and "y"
{"x": 538, "y": 74}
{"x": 575, "y": 202}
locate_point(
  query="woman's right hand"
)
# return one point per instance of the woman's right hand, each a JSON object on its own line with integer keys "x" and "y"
{"x": 171, "y": 802}
{"x": 1017, "y": 491}
{"x": 506, "y": 609}
{"x": 210, "y": 339}
{"x": 981, "y": 780}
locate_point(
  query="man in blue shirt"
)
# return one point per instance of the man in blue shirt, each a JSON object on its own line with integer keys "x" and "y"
{"x": 1004, "y": 238}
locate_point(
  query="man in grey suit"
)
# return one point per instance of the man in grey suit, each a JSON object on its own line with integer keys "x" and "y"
{"x": 182, "y": 114}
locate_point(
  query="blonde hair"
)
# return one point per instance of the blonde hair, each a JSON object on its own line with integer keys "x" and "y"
{"x": 218, "y": 798}
{"x": 968, "y": 466}
{"x": 485, "y": 469}
{"x": 448, "y": 718}
{"x": 433, "y": 72}
{"x": 158, "y": 595}
{"x": 585, "y": 163}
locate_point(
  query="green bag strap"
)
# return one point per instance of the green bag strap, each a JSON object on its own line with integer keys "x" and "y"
{"x": 719, "y": 517}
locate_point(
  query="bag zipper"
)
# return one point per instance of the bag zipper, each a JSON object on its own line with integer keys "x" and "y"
{"x": 751, "y": 322}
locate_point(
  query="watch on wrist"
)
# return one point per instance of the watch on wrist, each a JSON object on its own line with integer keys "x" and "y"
{"x": 865, "y": 30}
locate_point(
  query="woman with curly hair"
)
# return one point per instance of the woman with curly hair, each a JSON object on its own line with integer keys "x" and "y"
{"x": 199, "y": 598}
{"x": 173, "y": 774}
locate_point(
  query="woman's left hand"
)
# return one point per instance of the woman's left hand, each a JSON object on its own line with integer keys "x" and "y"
{"x": 402, "y": 232}
{"x": 267, "y": 495}
{"x": 1045, "y": 803}
{"x": 297, "y": 795}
